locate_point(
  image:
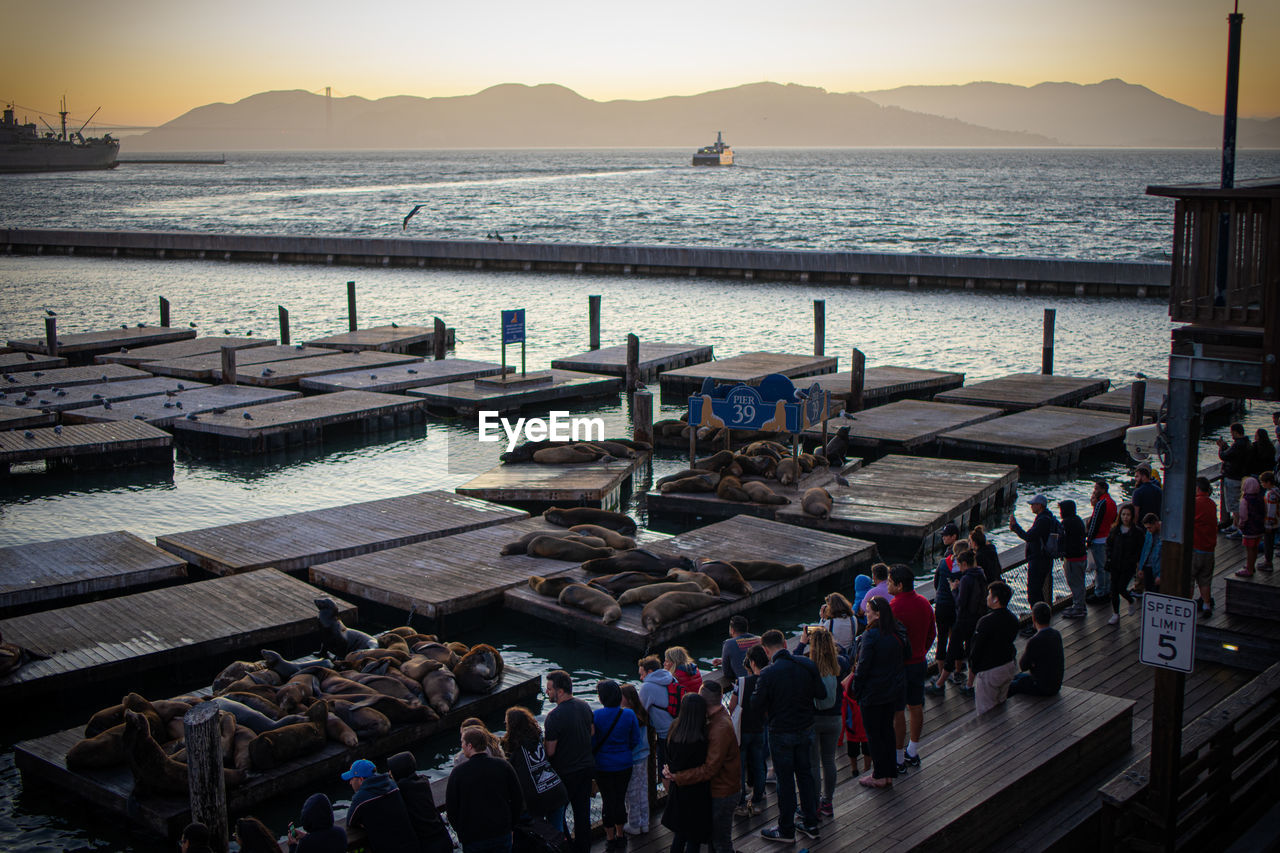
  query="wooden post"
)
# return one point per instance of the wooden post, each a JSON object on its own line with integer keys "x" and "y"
{"x": 439, "y": 338}
{"x": 857, "y": 378}
{"x": 204, "y": 771}
{"x": 228, "y": 365}
{"x": 819, "y": 327}
{"x": 633, "y": 363}
{"x": 1046, "y": 355}
{"x": 1137, "y": 402}
{"x": 164, "y": 312}
{"x": 642, "y": 417}
{"x": 593, "y": 322}
{"x": 284, "y": 324}
{"x": 51, "y": 335}
{"x": 351, "y": 306}
{"x": 693, "y": 444}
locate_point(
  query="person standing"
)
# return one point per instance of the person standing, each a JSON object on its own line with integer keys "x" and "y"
{"x": 1264, "y": 453}
{"x": 1148, "y": 497}
{"x": 984, "y": 554}
{"x": 832, "y": 667}
{"x": 912, "y": 610}
{"x": 638, "y": 787}
{"x": 1149, "y": 559}
{"x": 880, "y": 585}
{"x": 1095, "y": 538}
{"x": 483, "y": 798}
{"x": 616, "y": 733}
{"x": 195, "y": 838}
{"x": 880, "y": 688}
{"x": 1235, "y": 457}
{"x": 378, "y": 809}
{"x": 1039, "y": 561}
{"x": 1075, "y": 558}
{"x": 688, "y": 809}
{"x": 836, "y": 615}
{"x": 1203, "y": 542}
{"x": 734, "y": 651}
{"x": 944, "y": 601}
{"x": 681, "y": 665}
{"x": 544, "y": 793}
{"x": 1124, "y": 546}
{"x": 660, "y": 695}
{"x": 991, "y": 658}
{"x": 1042, "y": 662}
{"x": 751, "y": 740}
{"x": 415, "y": 790}
{"x": 722, "y": 768}
{"x": 969, "y": 591}
{"x": 1271, "y": 520}
{"x": 568, "y": 743}
{"x": 1251, "y": 523}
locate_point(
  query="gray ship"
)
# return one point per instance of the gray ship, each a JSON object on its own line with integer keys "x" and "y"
{"x": 24, "y": 149}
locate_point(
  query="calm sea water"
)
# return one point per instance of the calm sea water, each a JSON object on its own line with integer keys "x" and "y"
{"x": 1083, "y": 204}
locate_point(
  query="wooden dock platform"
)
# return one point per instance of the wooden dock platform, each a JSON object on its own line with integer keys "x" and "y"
{"x": 48, "y": 574}
{"x": 21, "y": 362}
{"x": 97, "y": 393}
{"x": 1244, "y": 631}
{"x": 300, "y": 540}
{"x": 299, "y": 420}
{"x": 163, "y": 412}
{"x": 598, "y": 484}
{"x": 1042, "y": 439}
{"x": 905, "y": 426}
{"x": 749, "y": 368}
{"x": 1021, "y": 391}
{"x": 103, "y": 640}
{"x": 287, "y": 374}
{"x": 901, "y": 502}
{"x": 686, "y": 507}
{"x": 468, "y": 398}
{"x": 84, "y": 447}
{"x": 181, "y": 349}
{"x": 396, "y": 378}
{"x": 81, "y": 347}
{"x": 655, "y": 357}
{"x": 45, "y": 759}
{"x": 66, "y": 377}
{"x": 18, "y": 417}
{"x": 887, "y": 384}
{"x": 824, "y": 555}
{"x": 205, "y": 367}
{"x": 392, "y": 338}
{"x": 1118, "y": 400}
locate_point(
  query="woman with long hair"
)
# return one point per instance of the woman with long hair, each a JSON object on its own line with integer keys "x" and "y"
{"x": 495, "y": 746}
{"x": 616, "y": 733}
{"x": 1124, "y": 547}
{"x": 880, "y": 688}
{"x": 826, "y": 716}
{"x": 1264, "y": 453}
{"x": 984, "y": 553}
{"x": 681, "y": 665}
{"x": 688, "y": 812}
{"x": 637, "y": 798}
{"x": 253, "y": 836}
{"x": 837, "y": 617}
{"x": 545, "y": 795}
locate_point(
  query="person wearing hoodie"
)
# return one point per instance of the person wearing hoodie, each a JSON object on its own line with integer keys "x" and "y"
{"x": 944, "y": 603}
{"x": 483, "y": 798}
{"x": 1252, "y": 518}
{"x": 679, "y": 663}
{"x": 984, "y": 554}
{"x": 318, "y": 834}
{"x": 1075, "y": 558}
{"x": 378, "y": 809}
{"x": 658, "y": 696}
{"x": 861, "y": 586}
{"x": 880, "y": 687}
{"x": 969, "y": 591}
{"x": 415, "y": 790}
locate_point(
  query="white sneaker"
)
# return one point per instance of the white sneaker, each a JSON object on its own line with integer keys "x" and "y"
{"x": 634, "y": 830}
{"x": 1114, "y": 620}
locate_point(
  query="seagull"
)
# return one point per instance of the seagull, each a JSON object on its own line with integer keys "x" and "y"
{"x": 191, "y": 417}
{"x": 178, "y": 404}
{"x": 29, "y": 356}
{"x": 404, "y": 226}
{"x": 168, "y": 405}
{"x": 373, "y": 376}
{"x": 192, "y": 325}
{"x": 57, "y": 430}
{"x": 411, "y": 370}
{"x": 51, "y": 312}
{"x": 267, "y": 371}
{"x": 181, "y": 386}
{"x": 248, "y": 417}
{"x": 171, "y": 393}
{"x": 139, "y": 417}
{"x": 28, "y": 434}
{"x": 124, "y": 325}
{"x": 62, "y": 393}
{"x": 106, "y": 404}
{"x": 226, "y": 331}
{"x": 38, "y": 374}
{"x": 97, "y": 396}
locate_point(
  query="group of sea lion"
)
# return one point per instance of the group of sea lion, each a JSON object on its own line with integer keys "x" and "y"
{"x": 272, "y": 711}
{"x": 573, "y": 452}
{"x": 739, "y": 476}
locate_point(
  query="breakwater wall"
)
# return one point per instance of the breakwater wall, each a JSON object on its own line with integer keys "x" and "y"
{"x": 907, "y": 271}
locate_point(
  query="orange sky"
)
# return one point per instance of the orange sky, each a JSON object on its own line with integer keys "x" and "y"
{"x": 148, "y": 61}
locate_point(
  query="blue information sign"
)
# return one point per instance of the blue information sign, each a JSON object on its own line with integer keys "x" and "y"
{"x": 746, "y": 407}
{"x": 513, "y": 326}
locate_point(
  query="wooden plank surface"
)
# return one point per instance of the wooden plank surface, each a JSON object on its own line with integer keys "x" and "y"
{"x": 65, "y": 377}
{"x": 18, "y": 417}
{"x": 655, "y": 357}
{"x": 289, "y": 373}
{"x": 905, "y": 425}
{"x": 297, "y": 413}
{"x": 205, "y": 367}
{"x": 164, "y": 410}
{"x": 87, "y": 643}
{"x": 591, "y": 482}
{"x": 45, "y": 572}
{"x": 181, "y": 349}
{"x": 396, "y": 378}
{"x": 97, "y": 393}
{"x": 80, "y": 439}
{"x": 299, "y": 540}
{"x": 1019, "y": 391}
{"x": 887, "y": 383}
{"x": 20, "y": 362}
{"x": 1118, "y": 399}
{"x": 748, "y": 368}
{"x": 86, "y": 344}
{"x": 690, "y": 505}
{"x": 390, "y": 338}
{"x": 1044, "y": 438}
{"x": 466, "y": 398}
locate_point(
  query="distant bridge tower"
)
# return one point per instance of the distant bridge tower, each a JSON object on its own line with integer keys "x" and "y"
{"x": 328, "y": 112}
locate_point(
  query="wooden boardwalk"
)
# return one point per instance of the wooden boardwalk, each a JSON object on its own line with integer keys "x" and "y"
{"x": 393, "y": 338}
{"x": 17, "y": 417}
{"x": 298, "y": 420}
{"x": 906, "y": 426}
{"x": 902, "y": 502}
{"x": 887, "y": 384}
{"x": 654, "y": 359}
{"x": 66, "y": 377}
{"x": 597, "y": 484}
{"x": 687, "y": 506}
{"x": 1020, "y": 391}
{"x": 81, "y": 347}
{"x": 206, "y": 367}
{"x": 85, "y": 396}
{"x": 287, "y": 374}
{"x": 1043, "y": 439}
{"x": 468, "y": 398}
{"x": 1244, "y": 630}
{"x": 162, "y": 411}
{"x": 1118, "y": 400}
{"x": 397, "y": 378}
{"x": 181, "y": 349}
{"x": 300, "y": 540}
{"x": 47, "y": 574}
{"x": 191, "y": 623}
{"x": 749, "y": 368}
{"x": 21, "y": 362}
{"x": 87, "y": 446}
{"x": 824, "y": 555}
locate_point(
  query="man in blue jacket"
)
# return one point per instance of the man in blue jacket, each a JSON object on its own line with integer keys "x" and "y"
{"x": 377, "y": 808}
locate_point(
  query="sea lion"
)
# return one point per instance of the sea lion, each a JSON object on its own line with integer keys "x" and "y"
{"x": 837, "y": 447}
{"x": 762, "y": 494}
{"x": 337, "y": 637}
{"x": 591, "y": 600}
{"x": 248, "y": 685}
{"x": 680, "y": 475}
{"x": 287, "y": 669}
{"x": 768, "y": 448}
{"x": 387, "y": 685}
{"x": 397, "y": 710}
{"x": 521, "y": 545}
{"x": 705, "y": 581}
{"x": 438, "y": 652}
{"x": 239, "y": 754}
{"x": 645, "y": 594}
{"x": 457, "y": 648}
{"x": 670, "y": 606}
{"x": 113, "y": 716}
{"x": 767, "y": 570}
{"x": 105, "y": 749}
{"x": 335, "y": 729}
{"x": 356, "y": 660}
{"x": 550, "y": 587}
{"x": 788, "y": 471}
{"x": 441, "y": 691}
{"x": 257, "y": 703}
{"x": 697, "y": 483}
{"x": 590, "y": 515}
{"x": 756, "y": 465}
{"x": 725, "y": 576}
{"x": 524, "y": 452}
{"x": 730, "y": 489}
{"x": 816, "y": 502}
{"x": 340, "y": 685}
{"x": 569, "y": 550}
{"x": 418, "y": 666}
{"x": 571, "y": 454}
{"x": 480, "y": 669}
{"x": 170, "y": 709}
{"x": 642, "y": 446}
{"x": 612, "y": 538}
{"x": 270, "y": 749}
{"x": 367, "y": 723}
{"x": 153, "y": 771}
{"x": 617, "y": 584}
{"x": 13, "y": 657}
{"x": 293, "y": 697}
{"x": 637, "y": 560}
{"x": 246, "y": 716}
{"x": 716, "y": 462}
{"x": 234, "y": 671}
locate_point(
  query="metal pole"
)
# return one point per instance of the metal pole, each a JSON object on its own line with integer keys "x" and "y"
{"x": 351, "y": 306}
{"x": 1234, "y": 24}
{"x": 1046, "y": 354}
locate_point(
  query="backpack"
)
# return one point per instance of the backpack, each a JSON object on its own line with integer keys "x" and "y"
{"x": 675, "y": 691}
{"x": 1054, "y": 541}
{"x": 537, "y": 835}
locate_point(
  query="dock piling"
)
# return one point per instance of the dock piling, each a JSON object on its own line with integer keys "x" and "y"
{"x": 439, "y": 338}
{"x": 284, "y": 324}
{"x": 164, "y": 312}
{"x": 857, "y": 379}
{"x": 204, "y": 772}
{"x": 642, "y": 417}
{"x": 1137, "y": 402}
{"x": 351, "y": 306}
{"x": 633, "y": 363}
{"x": 51, "y": 335}
{"x": 819, "y": 327}
{"x": 228, "y": 365}
{"x": 1046, "y": 357}
{"x": 593, "y": 322}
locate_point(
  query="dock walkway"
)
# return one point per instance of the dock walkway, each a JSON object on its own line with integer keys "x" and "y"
{"x": 1119, "y": 399}
{"x": 655, "y": 357}
{"x": 84, "y": 447}
{"x": 688, "y": 506}
{"x": 86, "y": 396}
{"x": 163, "y": 411}
{"x": 208, "y": 367}
{"x": 18, "y": 417}
{"x": 1047, "y": 438}
{"x": 468, "y": 398}
{"x": 598, "y": 484}
{"x": 21, "y": 362}
{"x": 81, "y": 347}
{"x": 393, "y": 379}
{"x": 1020, "y": 391}
{"x": 749, "y": 368}
{"x": 137, "y": 356}
{"x": 289, "y": 373}
{"x": 887, "y": 384}
{"x": 391, "y": 338}
{"x": 905, "y": 426}
{"x": 67, "y": 377}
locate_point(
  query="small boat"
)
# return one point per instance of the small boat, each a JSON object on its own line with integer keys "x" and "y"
{"x": 23, "y": 149}
{"x": 719, "y": 154}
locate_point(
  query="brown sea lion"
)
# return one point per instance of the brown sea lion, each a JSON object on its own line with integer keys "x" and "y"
{"x": 572, "y": 454}
{"x": 730, "y": 489}
{"x": 340, "y": 685}
{"x": 153, "y": 771}
{"x": 293, "y": 698}
{"x": 762, "y": 494}
{"x": 645, "y": 594}
{"x": 705, "y": 581}
{"x": 389, "y": 685}
{"x": 418, "y": 666}
{"x": 270, "y": 749}
{"x": 458, "y": 649}
{"x": 569, "y": 550}
{"x": 441, "y": 690}
{"x": 113, "y": 716}
{"x": 725, "y": 576}
{"x": 788, "y": 471}
{"x": 590, "y": 515}
{"x": 524, "y": 452}
{"x": 357, "y": 660}
{"x": 670, "y": 606}
{"x": 550, "y": 587}
{"x": 367, "y": 723}
{"x": 816, "y": 502}
{"x": 234, "y": 671}
{"x": 284, "y": 668}
{"x": 617, "y": 584}
{"x": 438, "y": 652}
{"x": 612, "y": 538}
{"x": 637, "y": 560}
{"x": 681, "y": 474}
{"x": 257, "y": 703}
{"x": 837, "y": 447}
{"x": 716, "y": 462}
{"x": 337, "y": 637}
{"x": 105, "y": 749}
{"x": 591, "y": 600}
{"x": 521, "y": 545}
{"x": 698, "y": 483}
{"x": 480, "y": 670}
{"x": 396, "y": 710}
{"x": 767, "y": 570}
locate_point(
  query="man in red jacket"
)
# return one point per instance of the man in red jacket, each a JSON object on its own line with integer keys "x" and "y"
{"x": 1203, "y": 541}
{"x": 914, "y": 611}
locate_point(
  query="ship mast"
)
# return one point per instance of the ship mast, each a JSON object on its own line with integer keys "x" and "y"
{"x": 63, "y": 113}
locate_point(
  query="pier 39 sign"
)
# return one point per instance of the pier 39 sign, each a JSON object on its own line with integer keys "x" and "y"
{"x": 1168, "y": 632}
{"x": 746, "y": 407}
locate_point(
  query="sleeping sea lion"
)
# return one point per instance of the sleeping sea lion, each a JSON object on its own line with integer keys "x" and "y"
{"x": 725, "y": 576}
{"x": 521, "y": 545}
{"x": 270, "y": 749}
{"x": 705, "y": 581}
{"x": 730, "y": 489}
{"x": 388, "y": 685}
{"x": 480, "y": 669}
{"x": 696, "y": 483}
{"x": 569, "y": 550}
{"x": 262, "y": 705}
{"x": 418, "y": 666}
{"x": 767, "y": 570}
{"x": 397, "y": 710}
{"x": 524, "y": 452}
{"x": 287, "y": 669}
{"x": 340, "y": 685}
{"x": 637, "y": 560}
{"x": 441, "y": 690}
{"x": 591, "y": 600}
{"x": 680, "y": 475}
{"x": 645, "y": 594}
{"x": 438, "y": 652}
{"x": 612, "y": 538}
{"x": 113, "y": 716}
{"x": 617, "y": 584}
{"x": 246, "y": 716}
{"x": 367, "y": 723}
{"x": 670, "y": 606}
{"x": 788, "y": 471}
{"x": 105, "y": 749}
{"x": 716, "y": 462}
{"x": 336, "y": 636}
{"x": 816, "y": 502}
{"x": 572, "y": 454}
{"x": 335, "y": 729}
{"x": 590, "y": 515}
{"x": 550, "y": 587}
{"x": 234, "y": 671}
{"x": 762, "y": 494}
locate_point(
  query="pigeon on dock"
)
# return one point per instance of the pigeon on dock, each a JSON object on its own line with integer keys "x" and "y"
{"x": 192, "y": 325}
{"x": 57, "y": 430}
{"x": 28, "y": 434}
{"x": 248, "y": 417}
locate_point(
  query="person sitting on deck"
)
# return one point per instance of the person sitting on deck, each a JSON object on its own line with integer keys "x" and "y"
{"x": 1042, "y": 662}
{"x": 1204, "y": 541}
{"x": 992, "y": 653}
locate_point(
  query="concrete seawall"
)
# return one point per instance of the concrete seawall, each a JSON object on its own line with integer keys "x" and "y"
{"x": 908, "y": 271}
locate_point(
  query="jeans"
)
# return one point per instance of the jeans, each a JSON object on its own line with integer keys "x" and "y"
{"x": 1038, "y": 571}
{"x": 501, "y": 844}
{"x": 638, "y": 795}
{"x": 722, "y": 823}
{"x": 1101, "y": 577}
{"x": 1024, "y": 684}
{"x": 790, "y": 752}
{"x": 579, "y": 787}
{"x": 752, "y": 750}
{"x": 826, "y": 731}
{"x": 1120, "y": 577}
{"x": 1268, "y": 545}
{"x": 878, "y": 721}
{"x": 945, "y": 616}
{"x": 1074, "y": 570}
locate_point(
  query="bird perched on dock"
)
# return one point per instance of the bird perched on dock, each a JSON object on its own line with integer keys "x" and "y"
{"x": 124, "y": 349}
{"x": 139, "y": 417}
{"x": 249, "y": 333}
{"x": 21, "y": 401}
{"x": 192, "y": 416}
{"x": 28, "y": 434}
{"x": 267, "y": 371}
{"x": 171, "y": 393}
{"x": 248, "y": 417}
{"x": 51, "y": 313}
{"x": 61, "y": 393}
{"x": 181, "y": 386}
{"x": 29, "y": 356}
{"x": 177, "y": 404}
{"x": 192, "y": 325}
{"x": 57, "y": 430}
{"x": 373, "y": 376}
{"x": 124, "y": 325}
{"x": 44, "y": 402}
{"x": 395, "y": 326}
{"x": 410, "y": 370}
{"x": 168, "y": 405}
{"x": 104, "y": 377}
{"x": 38, "y": 374}
{"x": 142, "y": 325}
{"x": 404, "y": 226}
{"x": 106, "y": 404}
{"x": 226, "y": 331}
{"x": 97, "y": 396}
{"x": 9, "y": 377}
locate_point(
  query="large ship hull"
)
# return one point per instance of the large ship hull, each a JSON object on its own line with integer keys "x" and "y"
{"x": 56, "y": 157}
{"x": 725, "y": 159}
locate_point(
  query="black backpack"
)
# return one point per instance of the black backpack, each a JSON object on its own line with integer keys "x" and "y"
{"x": 1054, "y": 541}
{"x": 537, "y": 835}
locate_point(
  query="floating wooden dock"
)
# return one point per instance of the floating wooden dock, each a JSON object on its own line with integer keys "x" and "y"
{"x": 396, "y": 378}
{"x": 824, "y": 555}
{"x": 47, "y": 574}
{"x": 191, "y": 623}
{"x": 887, "y": 384}
{"x": 84, "y": 447}
{"x": 21, "y": 362}
{"x": 906, "y": 426}
{"x": 393, "y": 338}
{"x": 685, "y": 507}
{"x": 1243, "y": 631}
{"x": 598, "y": 484}
{"x": 45, "y": 759}
{"x": 205, "y": 367}
{"x": 468, "y": 398}
{"x": 97, "y": 393}
{"x": 749, "y": 368}
{"x": 81, "y": 347}
{"x": 181, "y": 349}
{"x": 300, "y": 540}
{"x": 1043, "y": 439}
{"x": 1021, "y": 391}
{"x": 902, "y": 502}
{"x": 163, "y": 411}
{"x": 654, "y": 359}
{"x": 66, "y": 377}
{"x": 287, "y": 374}
{"x": 18, "y": 417}
{"x": 299, "y": 420}
{"x": 1119, "y": 399}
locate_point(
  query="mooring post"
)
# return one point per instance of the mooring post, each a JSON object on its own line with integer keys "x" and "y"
{"x": 1046, "y": 356}
{"x": 693, "y": 444}
{"x": 593, "y": 322}
{"x": 351, "y": 306}
{"x": 204, "y": 772}
{"x": 642, "y": 417}
{"x": 164, "y": 312}
{"x": 228, "y": 365}
{"x": 819, "y": 327}
{"x": 1137, "y": 402}
{"x": 284, "y": 324}
{"x": 439, "y": 339}
{"x": 51, "y": 335}
{"x": 857, "y": 378}
{"x": 633, "y": 363}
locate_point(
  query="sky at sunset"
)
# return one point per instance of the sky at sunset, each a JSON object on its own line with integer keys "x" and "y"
{"x": 148, "y": 61}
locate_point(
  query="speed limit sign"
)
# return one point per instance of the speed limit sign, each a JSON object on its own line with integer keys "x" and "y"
{"x": 1168, "y": 631}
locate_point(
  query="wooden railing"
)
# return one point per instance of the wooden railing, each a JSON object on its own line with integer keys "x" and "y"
{"x": 1251, "y": 286}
